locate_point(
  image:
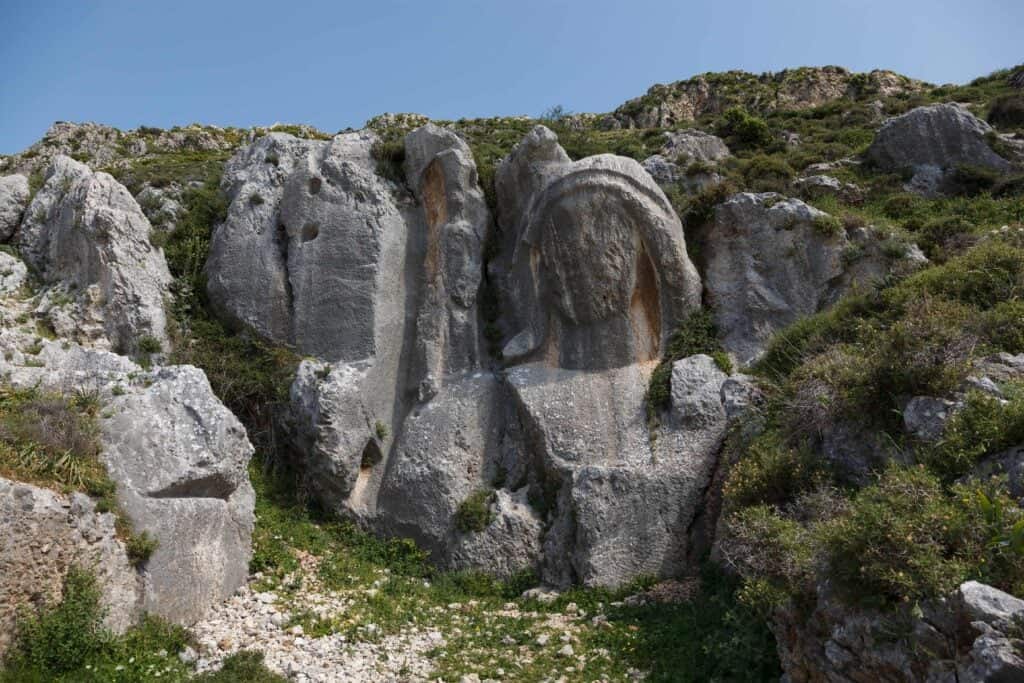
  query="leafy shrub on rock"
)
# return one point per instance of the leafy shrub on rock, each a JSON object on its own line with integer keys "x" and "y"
{"x": 696, "y": 334}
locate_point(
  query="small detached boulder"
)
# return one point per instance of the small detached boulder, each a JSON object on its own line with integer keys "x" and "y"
{"x": 14, "y": 196}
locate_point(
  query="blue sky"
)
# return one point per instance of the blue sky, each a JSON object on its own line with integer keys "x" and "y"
{"x": 335, "y": 64}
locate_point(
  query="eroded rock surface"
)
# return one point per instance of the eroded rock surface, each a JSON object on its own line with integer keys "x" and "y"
{"x": 772, "y": 260}
{"x": 13, "y": 199}
{"x": 931, "y": 141}
{"x": 42, "y": 535}
{"x": 594, "y": 272}
{"x": 86, "y": 236}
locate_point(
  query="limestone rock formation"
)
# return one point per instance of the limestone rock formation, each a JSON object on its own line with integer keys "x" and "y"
{"x": 314, "y": 247}
{"x": 180, "y": 460}
{"x": 84, "y": 233}
{"x": 594, "y": 272}
{"x": 817, "y": 186}
{"x": 439, "y": 168}
{"x": 712, "y": 93}
{"x": 42, "y": 535}
{"x": 593, "y": 279}
{"x": 931, "y": 141}
{"x": 969, "y": 637}
{"x": 771, "y": 260}
{"x": 13, "y": 198}
{"x": 13, "y": 274}
{"x": 694, "y": 145}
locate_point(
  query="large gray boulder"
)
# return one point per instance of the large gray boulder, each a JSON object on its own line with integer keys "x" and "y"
{"x": 621, "y": 497}
{"x": 180, "y": 460}
{"x": 594, "y": 272}
{"x": 932, "y": 140}
{"x": 85, "y": 233}
{"x": 42, "y": 535}
{"x": 771, "y": 260}
{"x": 13, "y": 199}
{"x": 690, "y": 145}
{"x": 313, "y": 251}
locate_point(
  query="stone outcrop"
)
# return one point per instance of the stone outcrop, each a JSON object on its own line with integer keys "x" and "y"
{"x": 712, "y": 93}
{"x": 594, "y": 271}
{"x": 770, "y": 260}
{"x": 42, "y": 535}
{"x": 685, "y": 146}
{"x": 592, "y": 279}
{"x": 818, "y": 186}
{"x": 13, "y": 199}
{"x": 313, "y": 250}
{"x": 179, "y": 459}
{"x": 969, "y": 637}
{"x": 86, "y": 236}
{"x": 931, "y": 141}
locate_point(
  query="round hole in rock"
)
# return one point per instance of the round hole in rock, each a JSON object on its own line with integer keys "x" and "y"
{"x": 310, "y": 231}
{"x": 314, "y": 185}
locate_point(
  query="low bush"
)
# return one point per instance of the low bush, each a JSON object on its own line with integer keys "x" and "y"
{"x": 744, "y": 129}
{"x": 765, "y": 173}
{"x": 474, "y": 514}
{"x": 985, "y": 425}
{"x": 771, "y": 472}
{"x": 696, "y": 334}
{"x": 390, "y": 157}
{"x": 1007, "y": 111}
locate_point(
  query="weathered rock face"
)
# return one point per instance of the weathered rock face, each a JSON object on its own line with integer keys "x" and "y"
{"x": 179, "y": 459}
{"x": 313, "y": 250}
{"x": 667, "y": 105}
{"x": 817, "y": 186}
{"x": 593, "y": 279}
{"x": 439, "y": 168}
{"x": 595, "y": 273}
{"x": 84, "y": 232}
{"x": 968, "y": 637}
{"x": 772, "y": 260}
{"x": 13, "y": 199}
{"x": 42, "y": 535}
{"x": 92, "y": 141}
{"x": 13, "y": 274}
{"x": 623, "y": 498}
{"x": 932, "y": 140}
{"x": 694, "y": 145}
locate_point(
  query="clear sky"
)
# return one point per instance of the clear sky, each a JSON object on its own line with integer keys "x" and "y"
{"x": 335, "y": 64}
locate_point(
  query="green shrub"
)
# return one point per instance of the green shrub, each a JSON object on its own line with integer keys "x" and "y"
{"x": 140, "y": 547}
{"x": 150, "y": 344}
{"x": 906, "y": 540}
{"x": 969, "y": 180}
{"x": 474, "y": 513}
{"x": 775, "y": 555}
{"x": 985, "y": 276}
{"x": 827, "y": 225}
{"x": 942, "y": 238}
{"x": 696, "y": 334}
{"x": 1007, "y": 111}
{"x": 381, "y": 430}
{"x": 51, "y": 439}
{"x": 985, "y": 425}
{"x": 744, "y": 128}
{"x": 61, "y": 638}
{"x": 765, "y": 173}
{"x": 1002, "y": 326}
{"x": 390, "y": 157}
{"x": 771, "y": 472}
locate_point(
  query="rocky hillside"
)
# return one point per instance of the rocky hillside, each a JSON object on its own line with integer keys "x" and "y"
{"x": 727, "y": 384}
